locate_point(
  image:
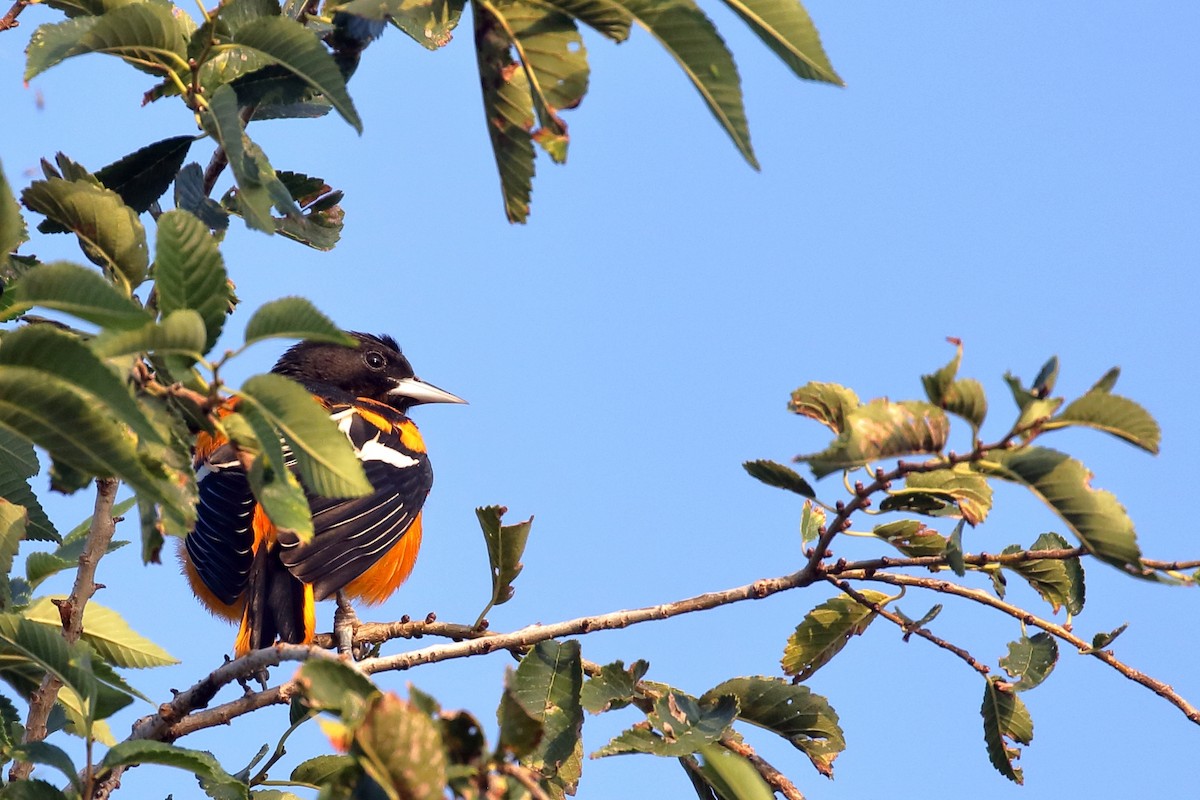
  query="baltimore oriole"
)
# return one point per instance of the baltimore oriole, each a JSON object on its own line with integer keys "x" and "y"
{"x": 245, "y": 570}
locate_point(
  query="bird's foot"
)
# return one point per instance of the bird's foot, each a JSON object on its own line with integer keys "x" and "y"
{"x": 345, "y": 622}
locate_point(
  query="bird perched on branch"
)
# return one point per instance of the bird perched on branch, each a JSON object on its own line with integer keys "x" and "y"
{"x": 244, "y": 569}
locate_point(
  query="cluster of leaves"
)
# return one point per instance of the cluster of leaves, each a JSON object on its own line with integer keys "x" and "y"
{"x": 256, "y": 59}
{"x": 958, "y": 487}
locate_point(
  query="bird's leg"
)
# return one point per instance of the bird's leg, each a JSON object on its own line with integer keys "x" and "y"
{"x": 345, "y": 621}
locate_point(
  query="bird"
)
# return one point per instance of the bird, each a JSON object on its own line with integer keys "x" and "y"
{"x": 244, "y": 569}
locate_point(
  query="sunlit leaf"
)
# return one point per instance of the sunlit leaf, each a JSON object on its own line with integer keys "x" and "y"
{"x": 190, "y": 273}
{"x": 1005, "y": 720}
{"x": 615, "y": 686}
{"x": 804, "y": 719}
{"x": 812, "y": 520}
{"x": 1064, "y": 484}
{"x": 12, "y": 225}
{"x": 604, "y": 16}
{"x": 18, "y": 463}
{"x": 1113, "y": 414}
{"x": 338, "y": 688}
{"x": 732, "y": 775}
{"x": 1058, "y": 580}
{"x": 400, "y": 748}
{"x": 547, "y": 684}
{"x": 108, "y": 634}
{"x": 912, "y": 538}
{"x": 145, "y": 35}
{"x": 955, "y": 492}
{"x": 882, "y": 429}
{"x": 429, "y": 22}
{"x": 785, "y": 27}
{"x": 825, "y": 630}
{"x": 293, "y": 318}
{"x": 72, "y": 289}
{"x": 505, "y": 545}
{"x": 214, "y": 780}
{"x": 827, "y": 403}
{"x": 679, "y": 726}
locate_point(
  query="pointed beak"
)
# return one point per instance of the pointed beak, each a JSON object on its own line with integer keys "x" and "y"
{"x": 418, "y": 391}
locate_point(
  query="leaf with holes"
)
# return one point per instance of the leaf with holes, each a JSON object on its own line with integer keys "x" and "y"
{"x": 505, "y": 545}
{"x": 1031, "y": 659}
{"x": 912, "y": 538}
{"x": 882, "y": 429}
{"x": 827, "y": 403}
{"x": 1005, "y": 719}
{"x": 825, "y": 630}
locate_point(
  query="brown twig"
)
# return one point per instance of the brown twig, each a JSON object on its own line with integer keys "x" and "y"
{"x": 71, "y": 610}
{"x": 909, "y": 628}
{"x": 525, "y": 777}
{"x": 948, "y": 587}
{"x": 774, "y": 778}
{"x": 9, "y": 20}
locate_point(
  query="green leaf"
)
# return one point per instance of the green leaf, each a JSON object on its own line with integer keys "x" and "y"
{"x": 12, "y": 531}
{"x": 520, "y": 731}
{"x": 50, "y": 755}
{"x": 145, "y": 175}
{"x": 882, "y": 429}
{"x": 1032, "y": 658}
{"x": 679, "y": 726}
{"x": 75, "y": 290}
{"x": 338, "y": 688}
{"x": 320, "y": 227}
{"x": 428, "y": 22}
{"x": 547, "y": 685}
{"x": 688, "y": 35}
{"x": 825, "y": 630}
{"x": 258, "y": 187}
{"x": 827, "y": 403}
{"x": 508, "y": 109}
{"x": 954, "y": 551}
{"x": 812, "y": 519}
{"x": 18, "y": 463}
{"x": 785, "y": 27}
{"x": 282, "y": 41}
{"x": 732, "y": 775}
{"x": 324, "y": 456}
{"x": 606, "y": 17}
{"x": 191, "y": 197}
{"x": 189, "y": 273}
{"x": 401, "y": 750}
{"x": 110, "y": 233}
{"x": 1103, "y": 640}
{"x": 804, "y": 719}
{"x": 108, "y": 634}
{"x": 293, "y": 318}
{"x": 1058, "y": 580}
{"x": 145, "y": 35}
{"x": 505, "y": 545}
{"x": 615, "y": 687}
{"x": 1093, "y": 515}
{"x": 1113, "y": 414}
{"x": 214, "y": 780}
{"x": 911, "y": 537}
{"x": 181, "y": 333}
{"x": 32, "y": 789}
{"x": 779, "y": 476}
{"x": 12, "y": 226}
{"x": 956, "y": 492}
{"x": 321, "y": 770}
{"x": 1005, "y": 719}
{"x": 52, "y": 354}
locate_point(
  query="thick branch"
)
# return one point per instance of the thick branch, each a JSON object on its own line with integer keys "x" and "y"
{"x": 71, "y": 610}
{"x": 948, "y": 587}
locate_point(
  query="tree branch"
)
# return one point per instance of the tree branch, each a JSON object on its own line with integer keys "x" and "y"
{"x": 9, "y": 20}
{"x": 948, "y": 587}
{"x": 774, "y": 778}
{"x": 71, "y": 610}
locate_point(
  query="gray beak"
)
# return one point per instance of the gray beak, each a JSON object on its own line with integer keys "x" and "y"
{"x": 418, "y": 391}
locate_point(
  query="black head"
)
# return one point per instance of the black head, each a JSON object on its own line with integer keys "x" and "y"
{"x": 375, "y": 369}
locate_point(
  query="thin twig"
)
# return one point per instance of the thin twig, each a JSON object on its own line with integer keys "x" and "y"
{"x": 9, "y": 20}
{"x": 524, "y": 776}
{"x": 71, "y": 610}
{"x": 948, "y": 587}
{"x": 909, "y": 628}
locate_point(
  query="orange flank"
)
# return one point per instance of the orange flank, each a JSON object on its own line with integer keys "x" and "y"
{"x": 381, "y": 580}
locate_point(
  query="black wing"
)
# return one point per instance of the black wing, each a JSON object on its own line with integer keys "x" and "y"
{"x": 352, "y": 535}
{"x": 220, "y": 545}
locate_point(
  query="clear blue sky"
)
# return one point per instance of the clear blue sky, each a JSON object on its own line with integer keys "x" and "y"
{"x": 1022, "y": 177}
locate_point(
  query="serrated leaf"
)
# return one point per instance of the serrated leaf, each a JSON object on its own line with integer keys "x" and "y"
{"x": 282, "y": 41}
{"x": 912, "y": 538}
{"x": 18, "y": 464}
{"x": 50, "y": 755}
{"x": 679, "y": 726}
{"x": 33, "y": 789}
{"x": 785, "y": 27}
{"x": 400, "y": 748}
{"x": 508, "y": 110}
{"x": 804, "y": 719}
{"x": 110, "y": 233}
{"x": 324, "y": 456}
{"x": 320, "y": 227}
{"x": 293, "y": 318}
{"x": 189, "y": 273}
{"x": 547, "y": 684}
{"x": 732, "y": 775}
{"x": 52, "y": 354}
{"x": 12, "y": 226}
{"x": 180, "y": 333}
{"x": 321, "y": 770}
{"x": 429, "y": 22}
{"x": 963, "y": 397}
{"x": 214, "y": 780}
{"x": 108, "y": 634}
{"x": 1112, "y": 414}
{"x": 1032, "y": 659}
{"x": 774, "y": 474}
{"x": 12, "y": 531}
{"x": 958, "y": 491}
{"x": 827, "y": 403}
{"x": 505, "y": 545}
{"x": 145, "y": 175}
{"x": 1093, "y": 515}
{"x": 882, "y": 429}
{"x": 825, "y": 630}
{"x": 520, "y": 731}
{"x": 1005, "y": 719}
{"x": 191, "y": 197}
{"x": 1059, "y": 581}
{"x": 145, "y": 35}
{"x": 338, "y": 688}
{"x": 75, "y": 290}
{"x": 812, "y": 519}
{"x": 614, "y": 687}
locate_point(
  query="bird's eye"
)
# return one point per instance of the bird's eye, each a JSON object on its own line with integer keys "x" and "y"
{"x": 374, "y": 360}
